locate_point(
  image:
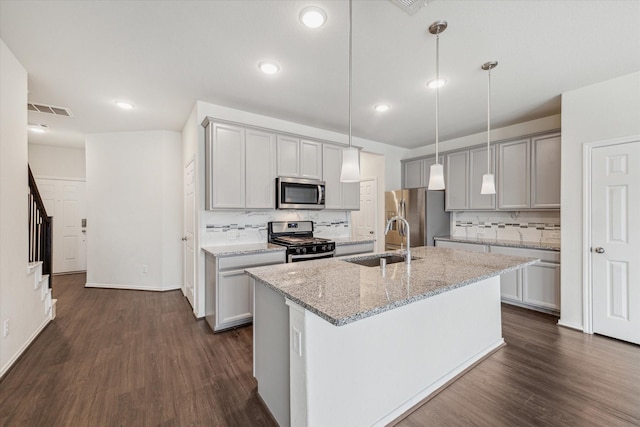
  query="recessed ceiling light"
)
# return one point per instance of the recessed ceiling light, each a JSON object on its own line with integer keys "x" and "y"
{"x": 125, "y": 105}
{"x": 38, "y": 128}
{"x": 382, "y": 107}
{"x": 313, "y": 17}
{"x": 436, "y": 83}
{"x": 269, "y": 67}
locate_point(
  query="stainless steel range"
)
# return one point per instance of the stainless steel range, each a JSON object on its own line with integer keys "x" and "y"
{"x": 297, "y": 236}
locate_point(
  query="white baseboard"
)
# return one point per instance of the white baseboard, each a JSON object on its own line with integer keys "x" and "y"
{"x": 15, "y": 357}
{"x": 132, "y": 287}
{"x": 570, "y": 325}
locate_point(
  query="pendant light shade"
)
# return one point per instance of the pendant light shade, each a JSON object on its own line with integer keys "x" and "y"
{"x": 436, "y": 175}
{"x": 350, "y": 156}
{"x": 488, "y": 180}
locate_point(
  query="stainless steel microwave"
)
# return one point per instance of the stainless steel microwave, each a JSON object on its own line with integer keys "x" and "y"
{"x": 299, "y": 193}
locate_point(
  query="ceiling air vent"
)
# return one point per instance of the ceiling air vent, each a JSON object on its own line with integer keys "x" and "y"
{"x": 49, "y": 109}
{"x": 410, "y": 6}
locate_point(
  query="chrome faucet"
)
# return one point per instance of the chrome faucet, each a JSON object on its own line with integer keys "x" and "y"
{"x": 391, "y": 220}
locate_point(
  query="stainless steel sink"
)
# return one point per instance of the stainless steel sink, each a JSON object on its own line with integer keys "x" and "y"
{"x": 374, "y": 261}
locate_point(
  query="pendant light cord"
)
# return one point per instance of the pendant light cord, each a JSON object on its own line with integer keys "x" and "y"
{"x": 437, "y": 91}
{"x": 350, "y": 69}
{"x": 489, "y": 123}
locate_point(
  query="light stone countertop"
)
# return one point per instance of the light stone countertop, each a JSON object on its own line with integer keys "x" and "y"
{"x": 549, "y": 246}
{"x": 242, "y": 249}
{"x": 341, "y": 292}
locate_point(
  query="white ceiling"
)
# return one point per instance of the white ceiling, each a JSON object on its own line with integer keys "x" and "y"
{"x": 165, "y": 55}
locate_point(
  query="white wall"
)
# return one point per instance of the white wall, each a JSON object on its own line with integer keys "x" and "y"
{"x": 514, "y": 131}
{"x": 57, "y": 162}
{"x": 599, "y": 112}
{"x": 134, "y": 210}
{"x": 20, "y": 304}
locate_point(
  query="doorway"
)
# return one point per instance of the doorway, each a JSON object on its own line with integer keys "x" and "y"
{"x": 614, "y": 240}
{"x": 365, "y": 223}
{"x": 188, "y": 256}
{"x": 65, "y": 200}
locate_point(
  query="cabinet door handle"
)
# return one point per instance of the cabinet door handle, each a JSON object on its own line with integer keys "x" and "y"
{"x": 599, "y": 250}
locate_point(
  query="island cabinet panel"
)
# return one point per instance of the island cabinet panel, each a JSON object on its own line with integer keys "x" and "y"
{"x": 338, "y": 195}
{"x": 477, "y": 168}
{"x": 225, "y": 153}
{"x": 514, "y": 175}
{"x": 229, "y": 290}
{"x": 545, "y": 172}
{"x": 260, "y": 164}
{"x": 288, "y": 151}
{"x": 457, "y": 181}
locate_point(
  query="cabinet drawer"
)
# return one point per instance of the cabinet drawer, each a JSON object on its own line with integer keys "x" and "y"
{"x": 361, "y": 248}
{"x": 251, "y": 260}
{"x": 544, "y": 255}
{"x": 460, "y": 245}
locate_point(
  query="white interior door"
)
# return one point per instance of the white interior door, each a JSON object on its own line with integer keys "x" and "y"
{"x": 364, "y": 220}
{"x": 65, "y": 200}
{"x": 189, "y": 231}
{"x": 615, "y": 237}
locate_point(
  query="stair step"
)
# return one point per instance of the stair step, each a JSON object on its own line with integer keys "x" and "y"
{"x": 33, "y": 266}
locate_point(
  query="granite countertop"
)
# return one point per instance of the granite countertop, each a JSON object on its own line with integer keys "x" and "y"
{"x": 342, "y": 292}
{"x": 343, "y": 241}
{"x": 242, "y": 249}
{"x": 549, "y": 246}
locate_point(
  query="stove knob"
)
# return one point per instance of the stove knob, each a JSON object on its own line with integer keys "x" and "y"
{"x": 304, "y": 250}
{"x": 297, "y": 250}
{"x": 314, "y": 248}
{"x": 324, "y": 247}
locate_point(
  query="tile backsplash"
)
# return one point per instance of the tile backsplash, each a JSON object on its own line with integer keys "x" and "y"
{"x": 539, "y": 227}
{"x": 239, "y": 227}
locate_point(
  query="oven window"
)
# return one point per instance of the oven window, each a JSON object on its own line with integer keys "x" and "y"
{"x": 300, "y": 194}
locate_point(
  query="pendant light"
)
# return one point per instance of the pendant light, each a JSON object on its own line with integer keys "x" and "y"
{"x": 488, "y": 180}
{"x": 350, "y": 156}
{"x": 436, "y": 175}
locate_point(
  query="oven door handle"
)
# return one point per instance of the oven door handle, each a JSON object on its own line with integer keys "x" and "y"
{"x": 312, "y": 256}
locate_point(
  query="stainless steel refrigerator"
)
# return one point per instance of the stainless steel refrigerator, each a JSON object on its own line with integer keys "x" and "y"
{"x": 423, "y": 210}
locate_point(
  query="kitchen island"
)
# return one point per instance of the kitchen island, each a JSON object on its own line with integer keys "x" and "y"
{"x": 337, "y": 343}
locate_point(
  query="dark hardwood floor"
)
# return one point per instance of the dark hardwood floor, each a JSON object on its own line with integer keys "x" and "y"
{"x": 128, "y": 358}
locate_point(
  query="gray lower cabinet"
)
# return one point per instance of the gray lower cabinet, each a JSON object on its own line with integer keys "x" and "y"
{"x": 355, "y": 248}
{"x": 228, "y": 289}
{"x": 536, "y": 286}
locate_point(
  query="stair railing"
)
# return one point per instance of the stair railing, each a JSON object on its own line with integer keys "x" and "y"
{"x": 40, "y": 230}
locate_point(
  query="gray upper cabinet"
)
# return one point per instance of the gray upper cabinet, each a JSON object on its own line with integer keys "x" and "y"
{"x": 310, "y": 159}
{"x": 416, "y": 172}
{"x": 413, "y": 174}
{"x": 338, "y": 195}
{"x": 225, "y": 155}
{"x": 260, "y": 164}
{"x": 457, "y": 181}
{"x": 545, "y": 172}
{"x": 477, "y": 168}
{"x": 288, "y": 152}
{"x": 513, "y": 175}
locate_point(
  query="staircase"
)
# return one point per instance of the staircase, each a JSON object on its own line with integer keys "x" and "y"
{"x": 40, "y": 246}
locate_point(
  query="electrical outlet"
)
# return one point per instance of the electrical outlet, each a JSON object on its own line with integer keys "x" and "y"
{"x": 555, "y": 234}
{"x": 145, "y": 268}
{"x": 5, "y": 328}
{"x": 244, "y": 234}
{"x": 296, "y": 342}
{"x": 232, "y": 234}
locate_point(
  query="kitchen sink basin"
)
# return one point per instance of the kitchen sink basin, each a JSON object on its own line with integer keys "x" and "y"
{"x": 374, "y": 261}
